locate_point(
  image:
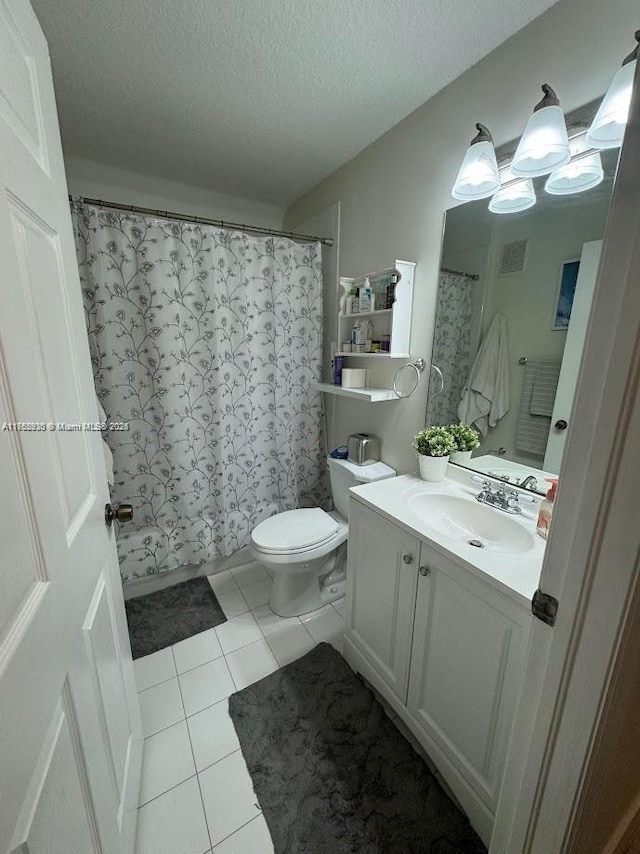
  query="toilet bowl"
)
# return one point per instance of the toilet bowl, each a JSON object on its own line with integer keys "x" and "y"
{"x": 304, "y": 550}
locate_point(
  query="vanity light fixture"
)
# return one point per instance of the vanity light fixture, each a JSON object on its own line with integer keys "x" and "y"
{"x": 478, "y": 177}
{"x": 607, "y": 128}
{"x": 515, "y": 194}
{"x": 579, "y": 174}
{"x": 544, "y": 145}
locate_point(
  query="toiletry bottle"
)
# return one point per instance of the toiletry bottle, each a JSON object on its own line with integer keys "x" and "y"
{"x": 546, "y": 509}
{"x": 338, "y": 363}
{"x": 352, "y": 302}
{"x": 365, "y": 296}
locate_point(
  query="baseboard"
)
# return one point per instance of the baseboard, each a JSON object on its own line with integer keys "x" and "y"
{"x": 152, "y": 583}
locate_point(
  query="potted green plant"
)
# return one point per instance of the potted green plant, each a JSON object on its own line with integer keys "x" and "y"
{"x": 466, "y": 440}
{"x": 433, "y": 446}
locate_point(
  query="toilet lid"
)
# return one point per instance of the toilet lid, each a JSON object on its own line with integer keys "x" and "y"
{"x": 294, "y": 530}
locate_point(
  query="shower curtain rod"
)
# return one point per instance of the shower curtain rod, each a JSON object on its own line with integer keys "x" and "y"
{"x": 473, "y": 276}
{"x": 203, "y": 220}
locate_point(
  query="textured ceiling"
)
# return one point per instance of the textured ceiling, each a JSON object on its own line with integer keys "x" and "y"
{"x": 256, "y": 98}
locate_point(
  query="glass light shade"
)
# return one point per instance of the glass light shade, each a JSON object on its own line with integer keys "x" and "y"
{"x": 577, "y": 175}
{"x": 478, "y": 176}
{"x": 607, "y": 128}
{"x": 518, "y": 196}
{"x": 544, "y": 145}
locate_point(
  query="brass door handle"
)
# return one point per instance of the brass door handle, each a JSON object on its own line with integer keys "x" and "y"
{"x": 120, "y": 512}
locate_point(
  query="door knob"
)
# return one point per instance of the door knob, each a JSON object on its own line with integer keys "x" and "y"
{"x": 424, "y": 570}
{"x": 407, "y": 558}
{"x": 120, "y": 512}
{"x": 561, "y": 425}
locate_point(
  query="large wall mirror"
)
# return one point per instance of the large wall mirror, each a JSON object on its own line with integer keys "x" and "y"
{"x": 513, "y": 304}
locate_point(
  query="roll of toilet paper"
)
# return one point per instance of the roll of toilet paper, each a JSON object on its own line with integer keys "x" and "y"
{"x": 354, "y": 377}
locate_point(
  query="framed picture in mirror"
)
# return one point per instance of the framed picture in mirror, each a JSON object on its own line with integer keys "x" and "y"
{"x": 566, "y": 292}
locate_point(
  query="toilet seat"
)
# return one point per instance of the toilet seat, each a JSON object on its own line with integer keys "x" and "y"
{"x": 295, "y": 531}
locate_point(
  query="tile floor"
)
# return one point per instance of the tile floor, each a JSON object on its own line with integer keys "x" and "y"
{"x": 196, "y": 795}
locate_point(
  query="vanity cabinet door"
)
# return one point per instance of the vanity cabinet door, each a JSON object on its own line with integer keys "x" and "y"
{"x": 382, "y": 580}
{"x": 468, "y": 651}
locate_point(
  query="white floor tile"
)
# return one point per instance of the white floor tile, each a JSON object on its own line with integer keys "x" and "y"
{"x": 232, "y": 603}
{"x": 213, "y": 735}
{"x": 251, "y": 663}
{"x": 291, "y": 644}
{"x": 196, "y": 650}
{"x": 229, "y": 799}
{"x": 238, "y": 632}
{"x": 327, "y": 626}
{"x": 249, "y": 573}
{"x": 167, "y": 761}
{"x": 206, "y": 685}
{"x": 341, "y": 607}
{"x": 253, "y": 837}
{"x": 257, "y": 593}
{"x": 152, "y": 669}
{"x": 326, "y": 609}
{"x": 174, "y": 823}
{"x": 271, "y": 623}
{"x": 160, "y": 706}
{"x": 221, "y": 582}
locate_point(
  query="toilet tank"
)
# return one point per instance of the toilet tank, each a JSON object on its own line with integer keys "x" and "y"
{"x": 344, "y": 475}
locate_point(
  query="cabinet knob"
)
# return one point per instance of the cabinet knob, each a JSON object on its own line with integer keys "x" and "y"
{"x": 424, "y": 570}
{"x": 407, "y": 558}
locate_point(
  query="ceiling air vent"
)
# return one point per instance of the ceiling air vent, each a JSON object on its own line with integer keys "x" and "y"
{"x": 513, "y": 257}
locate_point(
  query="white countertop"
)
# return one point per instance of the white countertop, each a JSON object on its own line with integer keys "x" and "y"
{"x": 517, "y": 575}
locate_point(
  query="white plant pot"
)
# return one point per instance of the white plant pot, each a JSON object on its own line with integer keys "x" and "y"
{"x": 461, "y": 457}
{"x": 433, "y": 468}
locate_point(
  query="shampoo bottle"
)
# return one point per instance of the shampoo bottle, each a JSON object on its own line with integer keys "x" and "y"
{"x": 546, "y": 509}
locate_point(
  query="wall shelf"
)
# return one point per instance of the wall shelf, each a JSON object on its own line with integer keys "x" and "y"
{"x": 370, "y": 395}
{"x": 393, "y": 323}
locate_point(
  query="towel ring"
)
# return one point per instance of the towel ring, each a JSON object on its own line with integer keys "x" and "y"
{"x": 418, "y": 366}
{"x": 438, "y": 373}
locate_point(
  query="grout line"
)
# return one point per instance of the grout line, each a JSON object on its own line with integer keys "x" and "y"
{"x": 226, "y": 756}
{"x": 170, "y": 789}
{"x": 161, "y": 682}
{"x": 193, "y": 756}
{"x": 255, "y": 818}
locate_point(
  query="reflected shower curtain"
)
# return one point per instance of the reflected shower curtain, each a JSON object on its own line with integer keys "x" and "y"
{"x": 206, "y": 343}
{"x": 451, "y": 346}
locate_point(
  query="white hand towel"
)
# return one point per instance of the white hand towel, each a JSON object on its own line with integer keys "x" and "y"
{"x": 485, "y": 396}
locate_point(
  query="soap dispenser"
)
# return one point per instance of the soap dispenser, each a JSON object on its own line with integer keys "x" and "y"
{"x": 546, "y": 509}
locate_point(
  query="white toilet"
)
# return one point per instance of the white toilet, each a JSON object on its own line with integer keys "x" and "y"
{"x": 305, "y": 550}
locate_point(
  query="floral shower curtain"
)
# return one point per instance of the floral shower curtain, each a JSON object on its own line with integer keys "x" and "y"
{"x": 451, "y": 346}
{"x": 206, "y": 343}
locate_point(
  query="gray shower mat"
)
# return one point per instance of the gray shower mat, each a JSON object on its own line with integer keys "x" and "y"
{"x": 332, "y": 773}
{"x": 161, "y": 619}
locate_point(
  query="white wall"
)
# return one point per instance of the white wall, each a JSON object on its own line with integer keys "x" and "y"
{"x": 99, "y": 181}
{"x": 394, "y": 194}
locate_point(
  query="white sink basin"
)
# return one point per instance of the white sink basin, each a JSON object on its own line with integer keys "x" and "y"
{"x": 464, "y": 519}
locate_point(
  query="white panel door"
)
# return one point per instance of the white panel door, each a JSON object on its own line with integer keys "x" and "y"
{"x": 70, "y": 735}
{"x": 572, "y": 355}
{"x": 469, "y": 642}
{"x": 381, "y": 578}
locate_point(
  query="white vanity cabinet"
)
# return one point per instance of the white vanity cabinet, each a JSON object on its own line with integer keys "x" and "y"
{"x": 443, "y": 646}
{"x": 382, "y": 582}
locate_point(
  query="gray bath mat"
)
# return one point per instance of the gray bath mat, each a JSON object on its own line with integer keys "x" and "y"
{"x": 163, "y": 618}
{"x": 332, "y": 773}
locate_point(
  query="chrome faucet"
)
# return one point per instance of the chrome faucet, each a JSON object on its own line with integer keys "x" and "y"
{"x": 499, "y": 498}
{"x": 530, "y": 482}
